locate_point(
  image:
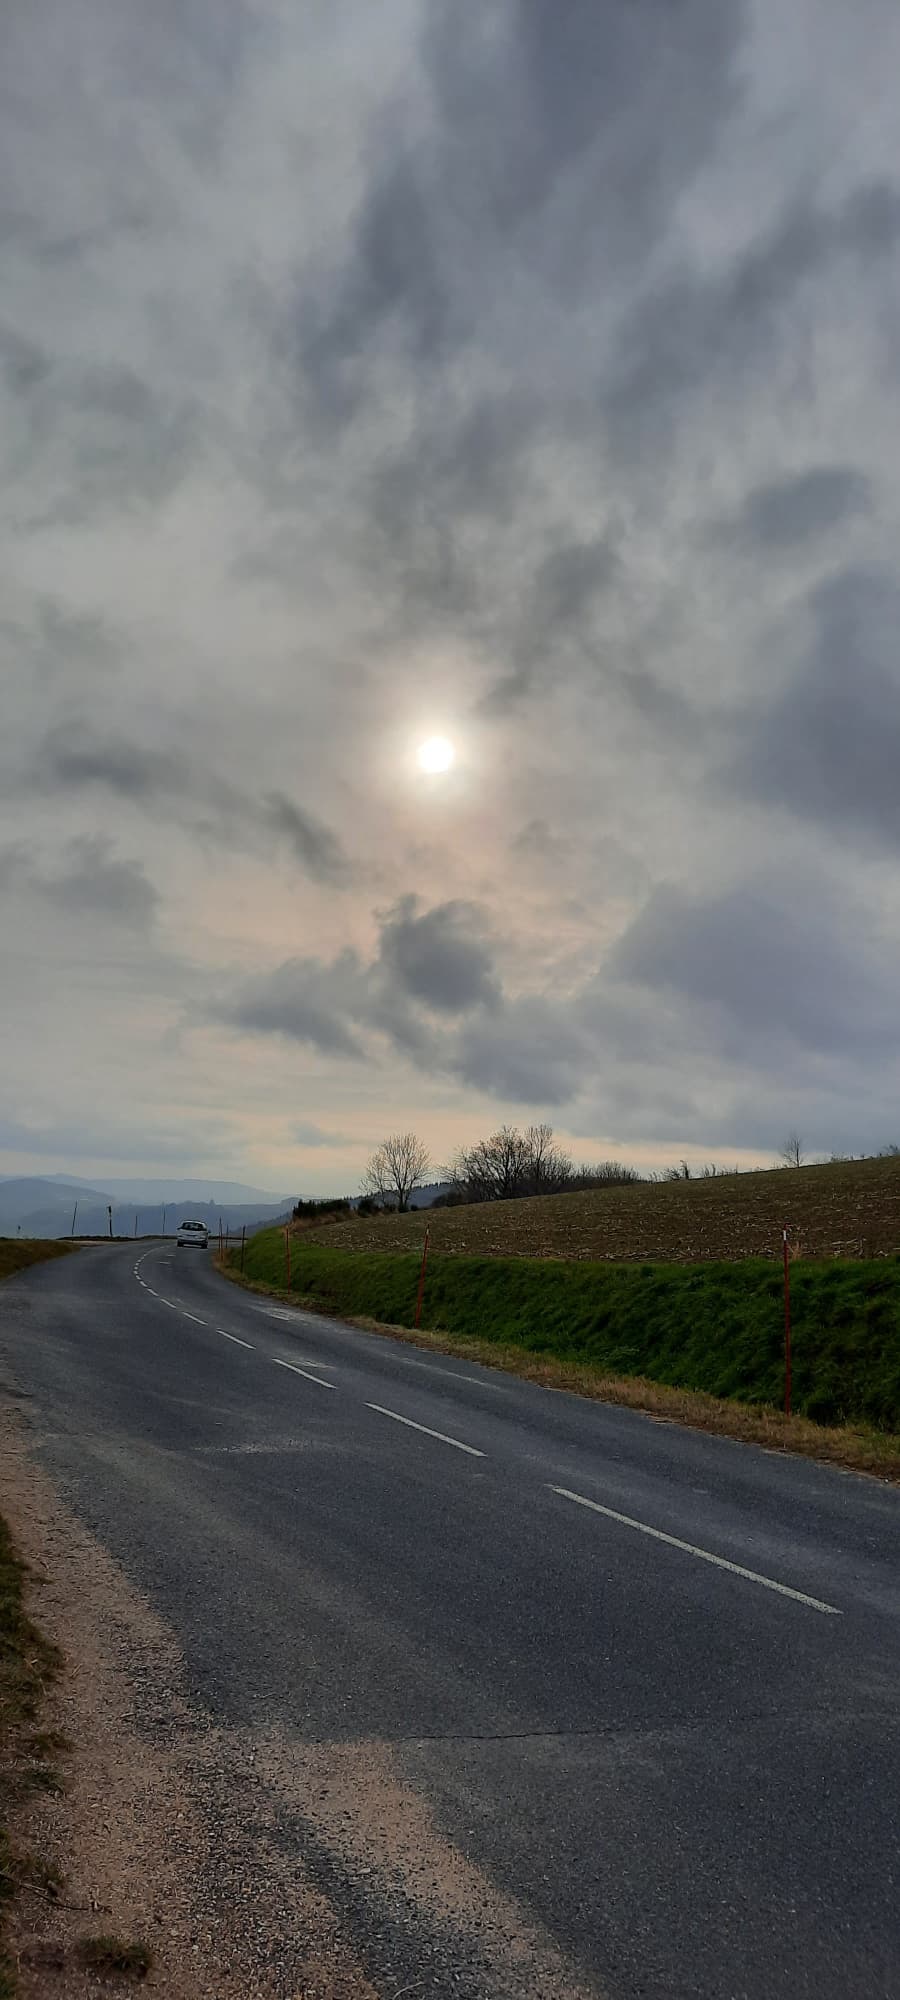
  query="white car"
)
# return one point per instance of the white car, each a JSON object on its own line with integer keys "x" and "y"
{"x": 192, "y": 1233}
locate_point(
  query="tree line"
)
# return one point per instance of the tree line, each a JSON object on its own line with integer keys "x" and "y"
{"x": 507, "y": 1166}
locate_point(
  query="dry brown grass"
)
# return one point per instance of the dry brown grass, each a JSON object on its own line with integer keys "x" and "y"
{"x": 17, "y": 1253}
{"x": 858, "y": 1449}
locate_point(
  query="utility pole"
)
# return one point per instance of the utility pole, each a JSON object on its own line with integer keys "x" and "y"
{"x": 74, "y": 1213}
{"x": 109, "y": 1213}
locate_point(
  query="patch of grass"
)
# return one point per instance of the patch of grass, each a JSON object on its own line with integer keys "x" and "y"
{"x": 709, "y": 1333}
{"x": 18, "y": 1253}
{"x": 32, "y": 1871}
{"x": 850, "y": 1208}
{"x": 116, "y": 1957}
{"x": 35, "y": 1778}
{"x": 48, "y": 1743}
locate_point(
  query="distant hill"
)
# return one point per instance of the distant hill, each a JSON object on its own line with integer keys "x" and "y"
{"x": 164, "y": 1189}
{"x": 42, "y": 1208}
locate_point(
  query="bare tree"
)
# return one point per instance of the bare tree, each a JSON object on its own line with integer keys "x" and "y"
{"x": 399, "y": 1165}
{"x": 510, "y": 1164}
{"x": 791, "y": 1153}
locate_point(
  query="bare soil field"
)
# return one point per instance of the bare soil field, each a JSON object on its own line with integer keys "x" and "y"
{"x": 847, "y": 1209}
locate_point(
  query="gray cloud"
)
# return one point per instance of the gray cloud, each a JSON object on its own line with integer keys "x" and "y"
{"x": 829, "y": 749}
{"x": 304, "y": 1001}
{"x": 308, "y": 1134}
{"x": 316, "y": 847}
{"x": 530, "y": 1053}
{"x": 778, "y": 960}
{"x": 692, "y": 329}
{"x": 89, "y": 880}
{"x": 787, "y": 512}
{"x": 441, "y": 957}
{"x": 538, "y": 97}
{"x": 70, "y": 759}
{"x": 77, "y": 758}
{"x": 428, "y": 963}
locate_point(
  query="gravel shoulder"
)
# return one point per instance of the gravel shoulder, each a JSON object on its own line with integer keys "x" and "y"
{"x": 149, "y": 1833}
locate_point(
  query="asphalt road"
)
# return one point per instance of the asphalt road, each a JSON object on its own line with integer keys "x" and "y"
{"x": 645, "y": 1682}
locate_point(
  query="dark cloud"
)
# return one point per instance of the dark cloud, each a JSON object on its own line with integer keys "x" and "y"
{"x": 440, "y": 957}
{"x": 312, "y": 1136}
{"x": 536, "y": 841}
{"x": 778, "y": 517}
{"x": 69, "y": 760}
{"x": 609, "y": 101}
{"x": 315, "y": 846}
{"x": 829, "y": 749}
{"x": 557, "y": 617}
{"x": 690, "y": 330}
{"x": 428, "y": 962}
{"x": 530, "y": 1052}
{"x": 305, "y": 1001}
{"x": 57, "y": 641}
{"x": 779, "y": 960}
{"x": 89, "y": 880}
{"x": 23, "y": 362}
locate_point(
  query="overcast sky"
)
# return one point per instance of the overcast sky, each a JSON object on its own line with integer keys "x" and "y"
{"x": 525, "y": 373}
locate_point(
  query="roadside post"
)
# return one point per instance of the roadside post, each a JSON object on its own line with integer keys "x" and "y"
{"x": 287, "y": 1259}
{"x": 787, "y": 1324}
{"x": 109, "y": 1213}
{"x": 421, "y": 1291}
{"x": 74, "y": 1213}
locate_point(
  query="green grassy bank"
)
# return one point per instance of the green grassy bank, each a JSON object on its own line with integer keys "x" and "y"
{"x": 713, "y": 1328}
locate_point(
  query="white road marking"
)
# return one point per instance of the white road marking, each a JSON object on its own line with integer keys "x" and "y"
{"x": 704, "y": 1555}
{"x": 440, "y": 1435}
{"x": 292, "y": 1365}
{"x": 238, "y": 1343}
{"x": 193, "y": 1316}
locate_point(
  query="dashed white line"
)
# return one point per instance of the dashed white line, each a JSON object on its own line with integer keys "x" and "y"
{"x": 186, "y": 1315}
{"x": 237, "y": 1342}
{"x": 703, "y": 1555}
{"x": 292, "y": 1365}
{"x": 426, "y": 1432}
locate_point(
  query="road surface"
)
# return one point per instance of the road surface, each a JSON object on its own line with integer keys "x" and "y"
{"x": 635, "y": 1686}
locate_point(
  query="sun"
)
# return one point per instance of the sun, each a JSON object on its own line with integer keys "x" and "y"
{"x": 436, "y": 754}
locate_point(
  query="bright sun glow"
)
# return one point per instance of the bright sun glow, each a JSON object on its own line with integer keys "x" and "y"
{"x": 436, "y": 755}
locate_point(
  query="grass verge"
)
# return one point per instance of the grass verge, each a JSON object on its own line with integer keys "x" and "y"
{"x": 17, "y": 1253}
{"x": 697, "y": 1345}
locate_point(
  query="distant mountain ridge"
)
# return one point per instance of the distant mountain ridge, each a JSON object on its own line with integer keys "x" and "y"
{"x": 139, "y": 1188}
{"x": 33, "y": 1206}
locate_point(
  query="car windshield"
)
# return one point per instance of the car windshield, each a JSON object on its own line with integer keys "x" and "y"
{"x": 193, "y": 1225}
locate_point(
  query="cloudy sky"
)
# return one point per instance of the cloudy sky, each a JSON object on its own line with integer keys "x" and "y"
{"x": 525, "y": 374}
